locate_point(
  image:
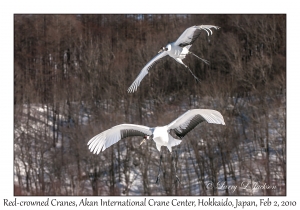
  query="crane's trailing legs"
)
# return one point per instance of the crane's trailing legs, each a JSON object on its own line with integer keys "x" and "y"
{"x": 196, "y": 78}
{"x": 180, "y": 61}
{"x": 174, "y": 162}
{"x": 205, "y": 61}
{"x": 158, "y": 175}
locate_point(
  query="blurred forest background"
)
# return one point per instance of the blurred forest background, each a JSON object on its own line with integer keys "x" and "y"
{"x": 71, "y": 74}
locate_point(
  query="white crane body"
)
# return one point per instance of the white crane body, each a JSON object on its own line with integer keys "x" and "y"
{"x": 177, "y": 50}
{"x": 160, "y": 134}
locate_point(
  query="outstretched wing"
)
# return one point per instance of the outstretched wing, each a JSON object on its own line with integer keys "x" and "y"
{"x": 192, "y": 33}
{"x": 111, "y": 136}
{"x": 133, "y": 87}
{"x": 190, "y": 119}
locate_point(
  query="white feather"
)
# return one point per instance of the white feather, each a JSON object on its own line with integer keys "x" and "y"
{"x": 177, "y": 50}
{"x": 160, "y": 134}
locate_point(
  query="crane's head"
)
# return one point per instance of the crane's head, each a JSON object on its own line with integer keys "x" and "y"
{"x": 167, "y": 48}
{"x": 144, "y": 139}
{"x": 163, "y": 49}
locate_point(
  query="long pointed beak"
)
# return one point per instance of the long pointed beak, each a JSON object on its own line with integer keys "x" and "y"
{"x": 160, "y": 50}
{"x": 144, "y": 140}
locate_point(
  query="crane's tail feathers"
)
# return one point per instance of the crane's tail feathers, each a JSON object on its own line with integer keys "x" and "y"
{"x": 175, "y": 142}
{"x": 172, "y": 142}
{"x": 205, "y": 61}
